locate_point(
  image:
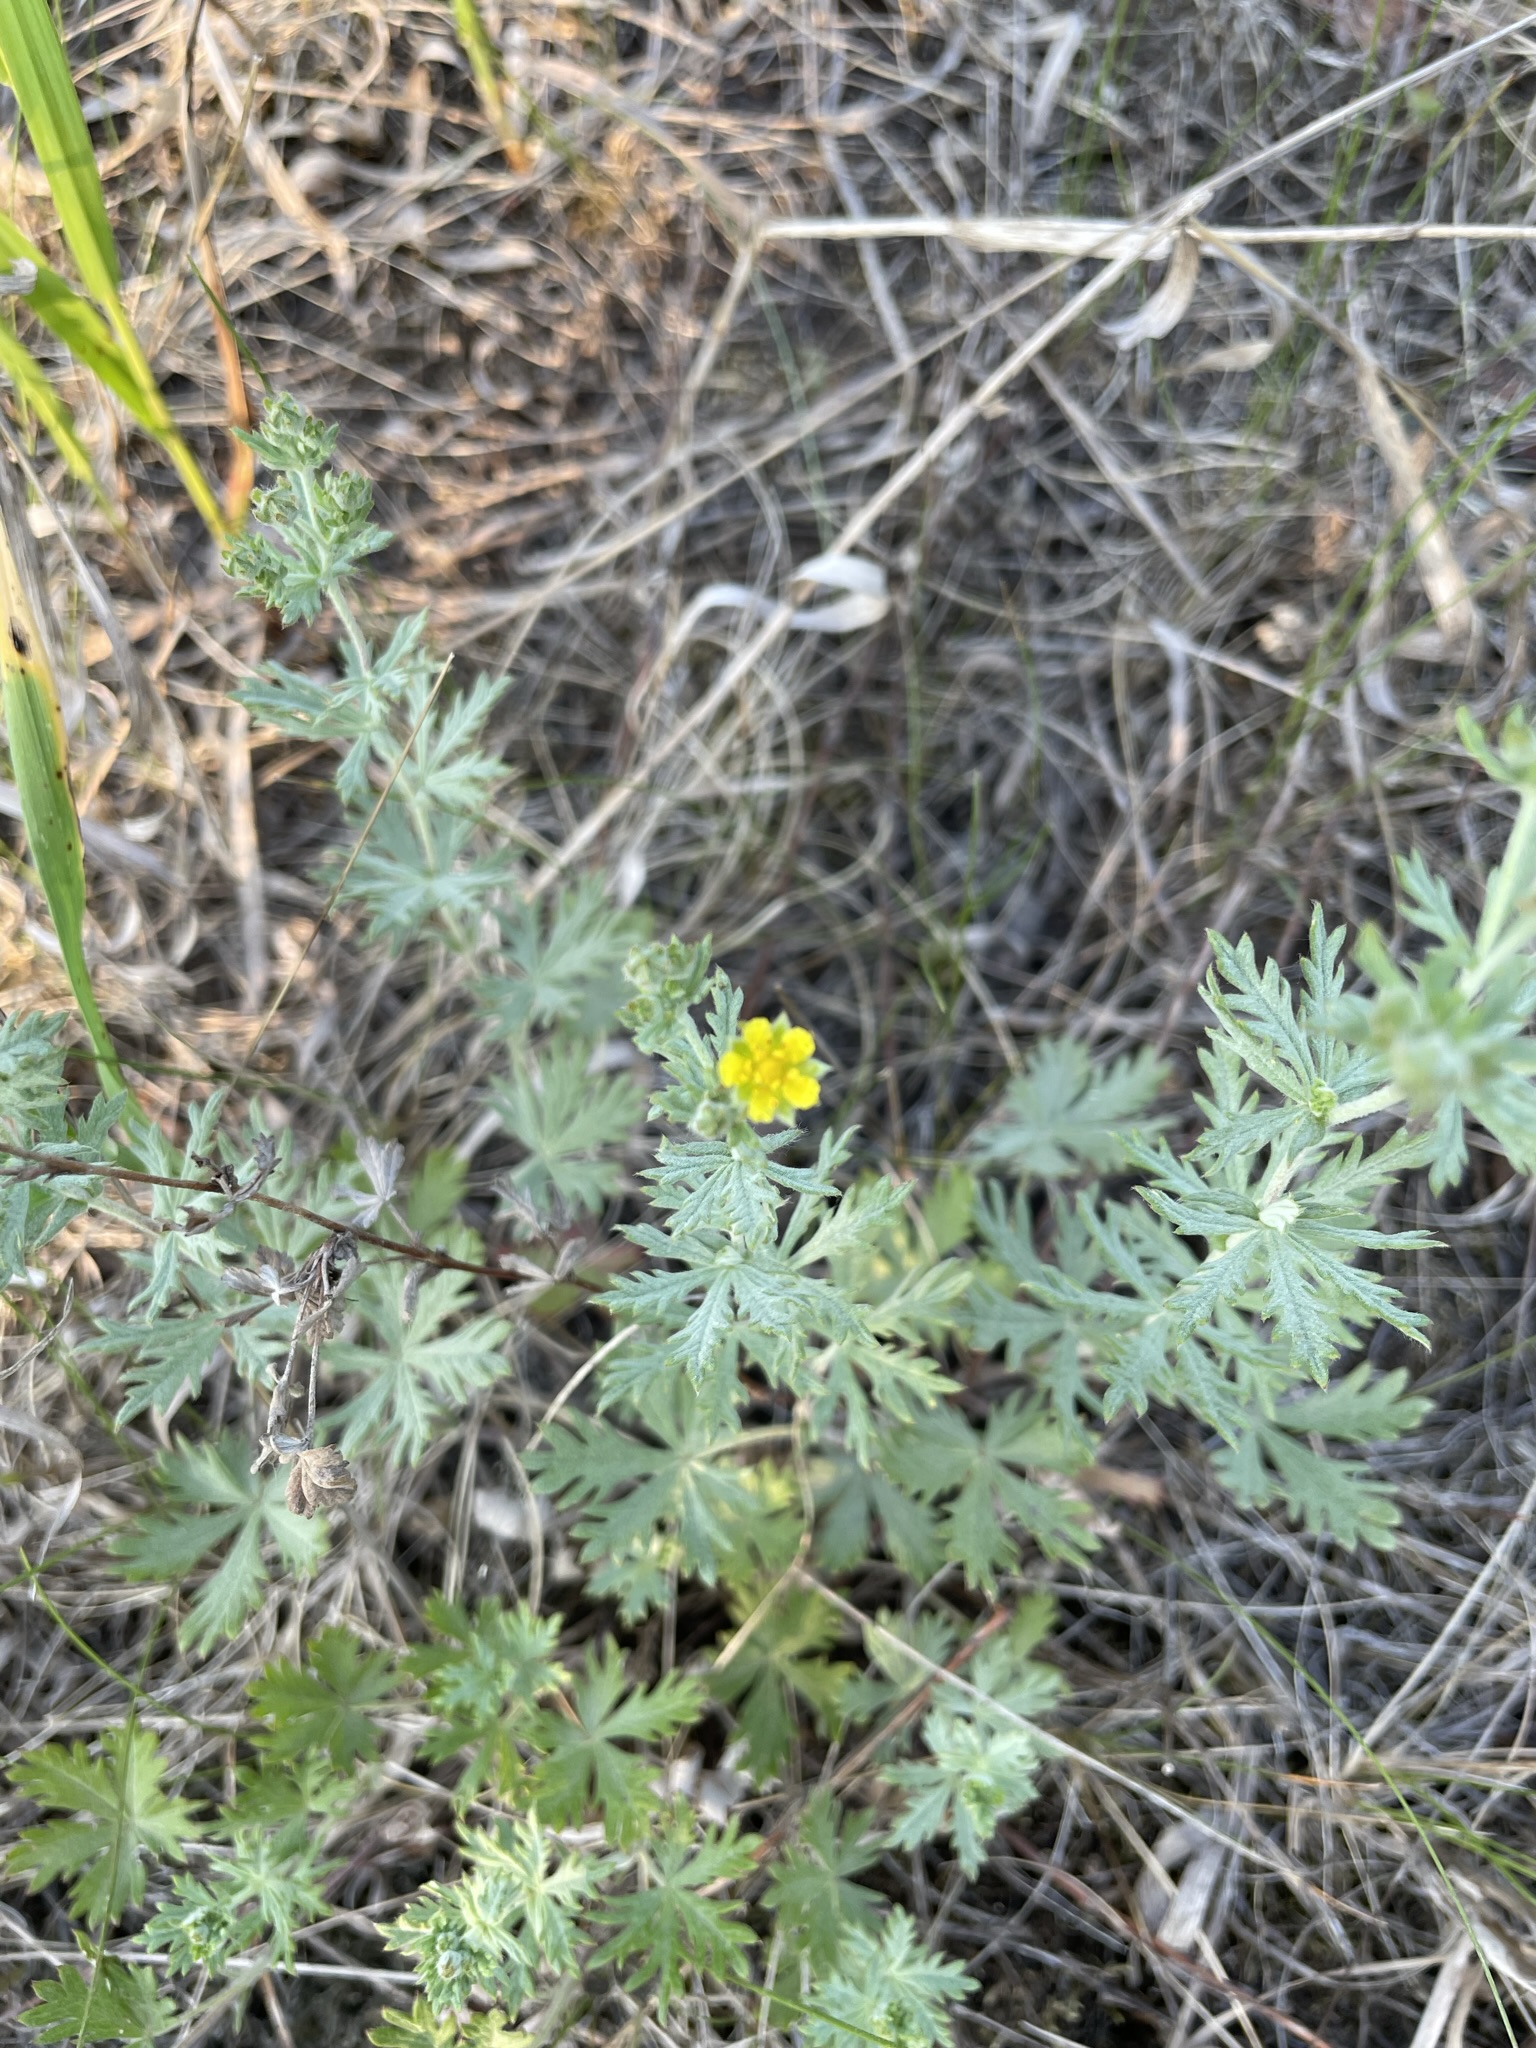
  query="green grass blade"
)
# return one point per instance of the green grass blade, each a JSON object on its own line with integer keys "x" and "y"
{"x": 73, "y": 320}
{"x": 30, "y": 383}
{"x": 40, "y": 763}
{"x": 38, "y": 71}
{"x": 32, "y": 59}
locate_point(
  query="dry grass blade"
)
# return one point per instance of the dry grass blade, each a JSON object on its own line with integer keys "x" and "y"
{"x": 1445, "y": 583}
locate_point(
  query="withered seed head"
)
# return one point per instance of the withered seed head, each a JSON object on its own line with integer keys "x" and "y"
{"x": 320, "y": 1478}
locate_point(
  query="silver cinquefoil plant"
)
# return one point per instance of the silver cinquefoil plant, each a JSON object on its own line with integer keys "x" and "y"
{"x": 774, "y": 1406}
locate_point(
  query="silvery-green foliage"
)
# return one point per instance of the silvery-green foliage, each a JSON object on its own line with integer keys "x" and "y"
{"x": 425, "y": 861}
{"x": 1451, "y": 1029}
{"x": 1231, "y": 1283}
{"x": 33, "y": 1118}
{"x": 782, "y": 1399}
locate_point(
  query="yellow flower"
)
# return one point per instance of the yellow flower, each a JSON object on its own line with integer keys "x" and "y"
{"x": 770, "y": 1070}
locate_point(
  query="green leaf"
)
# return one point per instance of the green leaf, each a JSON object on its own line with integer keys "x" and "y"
{"x": 325, "y": 1706}
{"x": 785, "y": 1655}
{"x": 38, "y": 73}
{"x": 509, "y": 1915}
{"x": 484, "y": 1677}
{"x": 815, "y": 1904}
{"x": 303, "y": 538}
{"x": 1333, "y": 1496}
{"x": 35, "y": 64}
{"x": 437, "y": 1188}
{"x": 584, "y": 1766}
{"x": 130, "y": 1819}
{"x": 888, "y": 1987}
{"x": 857, "y": 1498}
{"x": 171, "y": 1354}
{"x": 627, "y": 1490}
{"x": 1067, "y": 1111}
{"x": 34, "y": 730}
{"x": 30, "y": 382}
{"x": 563, "y": 1116}
{"x": 418, "y": 2028}
{"x": 119, "y": 2002}
{"x": 421, "y": 2028}
{"x": 1361, "y": 1408}
{"x": 414, "y": 1374}
{"x": 980, "y": 1763}
{"x": 173, "y": 1543}
{"x": 566, "y": 961}
{"x": 669, "y": 1928}
{"x": 71, "y": 319}
{"x": 943, "y": 1455}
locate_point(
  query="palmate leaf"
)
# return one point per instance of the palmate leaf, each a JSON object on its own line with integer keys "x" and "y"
{"x": 785, "y": 1656}
{"x": 980, "y": 1763}
{"x": 563, "y": 1116}
{"x": 738, "y": 1187}
{"x": 422, "y": 2028}
{"x": 466, "y": 1944}
{"x": 811, "y": 1893}
{"x": 171, "y": 1354}
{"x": 627, "y": 1491}
{"x": 407, "y": 879}
{"x": 1068, "y": 1112}
{"x": 325, "y": 1707}
{"x": 415, "y": 1373}
{"x": 889, "y": 1987}
{"x": 32, "y": 1115}
{"x": 303, "y": 539}
{"x": 418, "y": 2028}
{"x": 765, "y": 1295}
{"x": 244, "y": 1510}
{"x": 1271, "y": 1460}
{"x": 972, "y": 1775}
{"x": 584, "y": 1767}
{"x": 565, "y": 961}
{"x": 1361, "y": 1408}
{"x": 853, "y": 1501}
{"x": 1297, "y": 1247}
{"x": 507, "y": 1917}
{"x": 989, "y": 1497}
{"x": 118, "y": 2002}
{"x": 130, "y": 1819}
{"x": 669, "y": 1927}
{"x": 1339, "y": 1497}
{"x": 484, "y": 1676}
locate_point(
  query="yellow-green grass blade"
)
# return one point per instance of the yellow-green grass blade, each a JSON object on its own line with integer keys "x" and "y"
{"x": 38, "y": 72}
{"x": 75, "y": 321}
{"x": 33, "y": 61}
{"x": 482, "y": 58}
{"x": 30, "y": 382}
{"x": 40, "y": 763}
{"x": 485, "y": 69}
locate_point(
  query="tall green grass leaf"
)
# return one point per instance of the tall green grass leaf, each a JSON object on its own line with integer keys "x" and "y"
{"x": 72, "y": 319}
{"x": 33, "y": 61}
{"x": 40, "y": 761}
{"x": 30, "y": 383}
{"x": 39, "y": 76}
